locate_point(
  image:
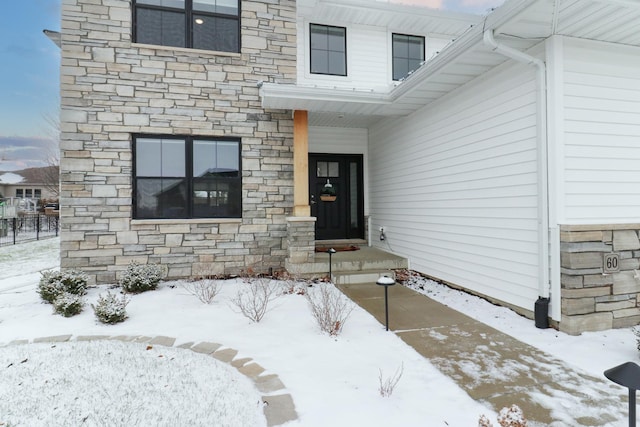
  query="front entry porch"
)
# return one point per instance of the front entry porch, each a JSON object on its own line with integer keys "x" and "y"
{"x": 364, "y": 265}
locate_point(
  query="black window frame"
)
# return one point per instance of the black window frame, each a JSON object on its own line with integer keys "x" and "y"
{"x": 393, "y": 54}
{"x": 189, "y": 13}
{"x": 311, "y": 50}
{"x": 189, "y": 179}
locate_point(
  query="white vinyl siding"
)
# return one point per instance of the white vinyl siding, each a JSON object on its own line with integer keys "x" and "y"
{"x": 368, "y": 56}
{"x": 435, "y": 46}
{"x": 337, "y": 140}
{"x": 601, "y": 133}
{"x": 455, "y": 185}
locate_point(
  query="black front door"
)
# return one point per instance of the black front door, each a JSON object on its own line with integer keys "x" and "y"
{"x": 342, "y": 218}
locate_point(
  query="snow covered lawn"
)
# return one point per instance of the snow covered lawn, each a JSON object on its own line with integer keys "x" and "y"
{"x": 122, "y": 384}
{"x": 334, "y": 381}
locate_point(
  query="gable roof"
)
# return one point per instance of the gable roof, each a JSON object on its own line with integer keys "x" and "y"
{"x": 30, "y": 176}
{"x": 520, "y": 24}
{"x": 10, "y": 178}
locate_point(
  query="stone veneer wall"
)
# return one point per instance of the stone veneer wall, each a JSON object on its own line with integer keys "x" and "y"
{"x": 112, "y": 88}
{"x": 591, "y": 299}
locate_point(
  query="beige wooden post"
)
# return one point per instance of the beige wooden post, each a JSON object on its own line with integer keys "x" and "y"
{"x": 301, "y": 206}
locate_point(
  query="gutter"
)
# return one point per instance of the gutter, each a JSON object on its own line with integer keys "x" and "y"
{"x": 542, "y": 146}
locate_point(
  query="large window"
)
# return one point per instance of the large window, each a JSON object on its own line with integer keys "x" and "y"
{"x": 328, "y": 50}
{"x": 186, "y": 177}
{"x": 408, "y": 54}
{"x": 198, "y": 24}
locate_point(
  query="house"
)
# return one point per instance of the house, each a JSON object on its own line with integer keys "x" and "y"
{"x": 497, "y": 153}
{"x": 33, "y": 184}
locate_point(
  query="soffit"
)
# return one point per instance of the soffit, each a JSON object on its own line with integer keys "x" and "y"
{"x": 409, "y": 19}
{"x": 522, "y": 25}
{"x": 615, "y": 21}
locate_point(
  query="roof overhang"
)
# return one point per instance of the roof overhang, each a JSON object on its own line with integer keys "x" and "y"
{"x": 388, "y": 14}
{"x": 521, "y": 24}
{"x": 54, "y": 36}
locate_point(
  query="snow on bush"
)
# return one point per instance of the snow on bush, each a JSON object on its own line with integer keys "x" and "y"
{"x": 110, "y": 309}
{"x": 329, "y": 307}
{"x": 254, "y": 296}
{"x": 140, "y": 277}
{"x": 508, "y": 417}
{"x": 54, "y": 283}
{"x": 636, "y": 332}
{"x": 68, "y": 304}
{"x": 294, "y": 287}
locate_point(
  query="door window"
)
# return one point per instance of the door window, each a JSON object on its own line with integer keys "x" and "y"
{"x": 328, "y": 170}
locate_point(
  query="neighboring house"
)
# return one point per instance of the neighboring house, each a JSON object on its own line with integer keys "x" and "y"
{"x": 31, "y": 183}
{"x": 505, "y": 162}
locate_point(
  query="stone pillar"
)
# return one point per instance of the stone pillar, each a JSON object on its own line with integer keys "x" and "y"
{"x": 300, "y": 242}
{"x": 593, "y": 299}
{"x": 301, "y": 164}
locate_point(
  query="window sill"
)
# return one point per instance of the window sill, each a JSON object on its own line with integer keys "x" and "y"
{"x": 185, "y": 50}
{"x": 186, "y": 221}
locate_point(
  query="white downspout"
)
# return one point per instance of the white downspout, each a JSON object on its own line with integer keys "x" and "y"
{"x": 543, "y": 180}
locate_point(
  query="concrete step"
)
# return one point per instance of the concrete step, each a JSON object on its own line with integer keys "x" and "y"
{"x": 367, "y": 259}
{"x": 359, "y": 277}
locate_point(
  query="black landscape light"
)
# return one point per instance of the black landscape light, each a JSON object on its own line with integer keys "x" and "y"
{"x": 386, "y": 281}
{"x": 330, "y": 251}
{"x": 627, "y": 375}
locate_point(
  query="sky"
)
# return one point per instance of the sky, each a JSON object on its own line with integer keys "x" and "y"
{"x": 30, "y": 74}
{"x": 29, "y": 70}
{"x": 29, "y": 81}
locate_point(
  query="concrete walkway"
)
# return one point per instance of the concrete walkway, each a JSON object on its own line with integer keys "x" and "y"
{"x": 493, "y": 367}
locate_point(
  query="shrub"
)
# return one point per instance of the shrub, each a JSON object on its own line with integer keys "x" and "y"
{"x": 508, "y": 417}
{"x": 54, "y": 283}
{"x": 254, "y": 296}
{"x": 205, "y": 290}
{"x": 291, "y": 287}
{"x": 110, "y": 309}
{"x": 329, "y": 307}
{"x": 387, "y": 385}
{"x": 636, "y": 332}
{"x": 68, "y": 304}
{"x": 140, "y": 277}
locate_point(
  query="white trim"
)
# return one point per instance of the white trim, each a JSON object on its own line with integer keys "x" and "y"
{"x": 555, "y": 113}
{"x": 188, "y": 50}
{"x": 314, "y": 93}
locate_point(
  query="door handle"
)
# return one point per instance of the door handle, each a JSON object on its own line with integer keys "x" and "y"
{"x": 313, "y": 199}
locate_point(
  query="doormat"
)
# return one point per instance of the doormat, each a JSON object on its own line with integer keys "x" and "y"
{"x": 338, "y": 248}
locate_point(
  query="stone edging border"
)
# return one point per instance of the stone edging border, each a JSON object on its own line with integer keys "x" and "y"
{"x": 278, "y": 406}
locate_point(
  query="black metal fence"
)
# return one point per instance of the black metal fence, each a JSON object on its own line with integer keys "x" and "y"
{"x": 28, "y": 226}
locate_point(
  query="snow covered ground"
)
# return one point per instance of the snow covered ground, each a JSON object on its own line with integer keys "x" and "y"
{"x": 334, "y": 381}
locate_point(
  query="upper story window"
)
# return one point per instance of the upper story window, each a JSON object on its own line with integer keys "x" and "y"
{"x": 186, "y": 177}
{"x": 198, "y": 24}
{"x": 408, "y": 54}
{"x": 328, "y": 50}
